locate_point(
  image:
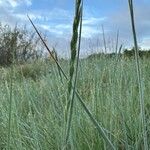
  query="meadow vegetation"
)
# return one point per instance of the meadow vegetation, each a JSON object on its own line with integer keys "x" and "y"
{"x": 38, "y": 106}
{"x": 77, "y": 104}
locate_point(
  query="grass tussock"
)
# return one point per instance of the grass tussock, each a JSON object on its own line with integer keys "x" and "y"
{"x": 38, "y": 108}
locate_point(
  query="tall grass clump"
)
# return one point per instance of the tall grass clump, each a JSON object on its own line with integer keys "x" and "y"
{"x": 107, "y": 119}
{"x": 97, "y": 124}
{"x": 139, "y": 76}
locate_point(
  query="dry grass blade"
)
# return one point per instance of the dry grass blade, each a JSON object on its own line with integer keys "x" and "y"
{"x": 142, "y": 103}
{"x": 117, "y": 40}
{"x": 51, "y": 54}
{"x": 104, "y": 39}
{"x": 59, "y": 71}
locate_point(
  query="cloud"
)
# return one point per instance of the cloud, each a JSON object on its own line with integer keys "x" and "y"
{"x": 55, "y": 14}
{"x": 89, "y": 32}
{"x": 93, "y": 21}
{"x": 8, "y": 3}
{"x": 145, "y": 43}
{"x": 90, "y": 28}
{"x": 50, "y": 29}
{"x": 10, "y": 12}
{"x": 120, "y": 19}
{"x": 14, "y": 3}
{"x": 28, "y": 2}
{"x": 57, "y": 21}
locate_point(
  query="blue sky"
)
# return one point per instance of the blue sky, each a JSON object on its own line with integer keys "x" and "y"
{"x": 55, "y": 17}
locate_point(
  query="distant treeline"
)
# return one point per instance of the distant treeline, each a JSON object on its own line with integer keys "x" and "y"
{"x": 127, "y": 53}
{"x": 131, "y": 53}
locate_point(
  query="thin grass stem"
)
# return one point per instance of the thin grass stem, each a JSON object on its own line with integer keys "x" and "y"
{"x": 104, "y": 39}
{"x": 141, "y": 94}
{"x": 10, "y": 110}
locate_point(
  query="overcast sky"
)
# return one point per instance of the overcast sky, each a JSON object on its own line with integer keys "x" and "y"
{"x": 55, "y": 17}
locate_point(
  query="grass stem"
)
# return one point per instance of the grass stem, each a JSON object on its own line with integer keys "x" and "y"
{"x": 142, "y": 103}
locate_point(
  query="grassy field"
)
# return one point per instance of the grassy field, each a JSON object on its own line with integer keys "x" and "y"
{"x": 78, "y": 104}
{"x": 109, "y": 89}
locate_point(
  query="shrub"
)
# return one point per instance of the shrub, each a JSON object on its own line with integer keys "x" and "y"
{"x": 17, "y": 45}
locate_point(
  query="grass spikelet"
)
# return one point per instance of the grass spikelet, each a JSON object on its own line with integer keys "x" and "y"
{"x": 73, "y": 70}
{"x": 73, "y": 44}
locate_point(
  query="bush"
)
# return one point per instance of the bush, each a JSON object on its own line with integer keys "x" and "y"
{"x": 17, "y": 45}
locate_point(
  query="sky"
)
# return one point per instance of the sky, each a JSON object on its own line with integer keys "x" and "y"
{"x": 55, "y": 17}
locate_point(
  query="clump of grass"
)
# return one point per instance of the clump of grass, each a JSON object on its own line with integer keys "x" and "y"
{"x": 98, "y": 126}
{"x": 71, "y": 86}
{"x": 37, "y": 111}
{"x": 32, "y": 71}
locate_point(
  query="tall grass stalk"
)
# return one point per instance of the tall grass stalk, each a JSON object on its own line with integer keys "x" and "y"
{"x": 117, "y": 40}
{"x": 11, "y": 91}
{"x": 73, "y": 45}
{"x": 59, "y": 72}
{"x": 98, "y": 126}
{"x": 76, "y": 39}
{"x": 10, "y": 109}
{"x": 49, "y": 51}
{"x": 104, "y": 39}
{"x": 142, "y": 103}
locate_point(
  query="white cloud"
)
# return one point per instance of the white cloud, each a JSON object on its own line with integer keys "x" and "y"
{"x": 65, "y": 30}
{"x": 60, "y": 13}
{"x": 32, "y": 16}
{"x": 28, "y": 2}
{"x": 88, "y": 32}
{"x": 145, "y": 43}
{"x": 63, "y": 27}
{"x": 14, "y": 3}
{"x": 90, "y": 26}
{"x": 8, "y": 3}
{"x": 93, "y": 20}
{"x": 51, "y": 29}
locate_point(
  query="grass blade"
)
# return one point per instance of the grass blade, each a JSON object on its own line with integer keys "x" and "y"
{"x": 117, "y": 40}
{"x": 59, "y": 72}
{"x": 51, "y": 54}
{"x": 10, "y": 109}
{"x": 104, "y": 39}
{"x": 142, "y": 103}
